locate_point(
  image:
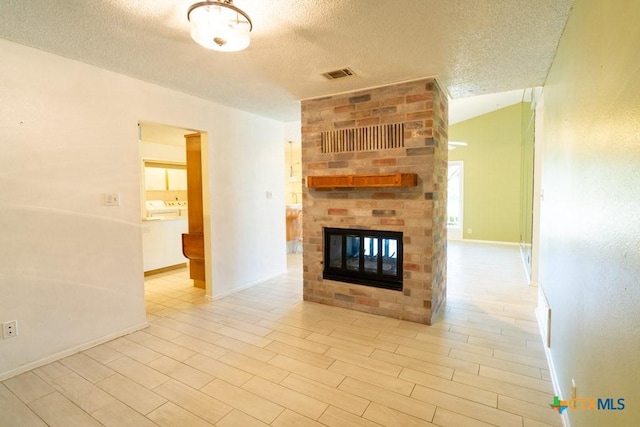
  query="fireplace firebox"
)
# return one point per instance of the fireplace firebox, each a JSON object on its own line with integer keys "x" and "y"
{"x": 365, "y": 257}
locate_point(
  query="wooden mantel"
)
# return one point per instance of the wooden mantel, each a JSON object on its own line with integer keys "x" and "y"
{"x": 363, "y": 181}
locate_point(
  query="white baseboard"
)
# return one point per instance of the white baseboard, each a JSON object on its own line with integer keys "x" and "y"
{"x": 68, "y": 352}
{"x": 491, "y": 242}
{"x": 527, "y": 270}
{"x": 243, "y": 287}
{"x": 545, "y": 329}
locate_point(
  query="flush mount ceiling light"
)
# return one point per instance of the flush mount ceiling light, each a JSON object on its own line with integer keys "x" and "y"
{"x": 219, "y": 25}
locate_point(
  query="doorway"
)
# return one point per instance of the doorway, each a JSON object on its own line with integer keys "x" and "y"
{"x": 527, "y": 166}
{"x": 293, "y": 200}
{"x": 455, "y": 198}
{"x": 165, "y": 198}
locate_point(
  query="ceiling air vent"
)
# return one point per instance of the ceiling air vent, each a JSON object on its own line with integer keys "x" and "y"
{"x": 339, "y": 74}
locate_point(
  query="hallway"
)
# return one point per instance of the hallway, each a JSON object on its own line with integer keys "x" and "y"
{"x": 263, "y": 356}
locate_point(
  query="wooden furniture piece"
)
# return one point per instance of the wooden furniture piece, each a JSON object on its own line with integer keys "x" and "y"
{"x": 363, "y": 181}
{"x": 294, "y": 228}
{"x": 193, "y": 246}
{"x": 292, "y": 223}
{"x": 193, "y": 241}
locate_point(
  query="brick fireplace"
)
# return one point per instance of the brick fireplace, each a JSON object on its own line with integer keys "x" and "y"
{"x": 399, "y": 129}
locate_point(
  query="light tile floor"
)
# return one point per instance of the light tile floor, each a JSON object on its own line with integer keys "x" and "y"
{"x": 265, "y": 357}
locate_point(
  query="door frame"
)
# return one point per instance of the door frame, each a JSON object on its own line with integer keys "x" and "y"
{"x": 455, "y": 233}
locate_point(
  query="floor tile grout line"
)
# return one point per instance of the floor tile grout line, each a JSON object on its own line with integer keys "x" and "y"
{"x": 504, "y": 317}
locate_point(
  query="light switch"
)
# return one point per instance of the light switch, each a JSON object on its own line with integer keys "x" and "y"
{"x": 269, "y": 195}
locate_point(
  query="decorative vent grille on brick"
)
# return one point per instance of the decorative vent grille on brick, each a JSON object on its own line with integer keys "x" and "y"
{"x": 367, "y": 138}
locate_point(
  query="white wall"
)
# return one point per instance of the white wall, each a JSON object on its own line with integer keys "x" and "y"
{"x": 590, "y": 220}
{"x": 70, "y": 268}
{"x": 156, "y": 151}
{"x": 292, "y": 131}
{"x": 248, "y": 228}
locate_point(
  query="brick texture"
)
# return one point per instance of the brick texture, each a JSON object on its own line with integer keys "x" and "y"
{"x": 419, "y": 212}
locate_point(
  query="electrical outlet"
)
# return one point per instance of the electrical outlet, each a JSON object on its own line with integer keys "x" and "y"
{"x": 574, "y": 392}
{"x": 111, "y": 199}
{"x": 469, "y": 230}
{"x": 10, "y": 329}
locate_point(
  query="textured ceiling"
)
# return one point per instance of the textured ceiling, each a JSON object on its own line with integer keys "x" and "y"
{"x": 473, "y": 47}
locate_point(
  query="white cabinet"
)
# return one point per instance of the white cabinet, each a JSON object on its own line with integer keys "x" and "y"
{"x": 155, "y": 178}
{"x": 165, "y": 178}
{"x": 177, "y": 179}
{"x": 162, "y": 243}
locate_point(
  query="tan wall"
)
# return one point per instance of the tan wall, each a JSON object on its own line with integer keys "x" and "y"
{"x": 590, "y": 229}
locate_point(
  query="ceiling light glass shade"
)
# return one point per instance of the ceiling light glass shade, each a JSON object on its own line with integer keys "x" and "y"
{"x": 219, "y": 25}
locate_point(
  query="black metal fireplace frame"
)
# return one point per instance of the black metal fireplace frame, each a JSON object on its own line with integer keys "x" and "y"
{"x": 362, "y": 276}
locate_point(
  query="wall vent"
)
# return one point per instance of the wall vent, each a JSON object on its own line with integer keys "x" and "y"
{"x": 543, "y": 313}
{"x": 378, "y": 137}
{"x": 339, "y": 74}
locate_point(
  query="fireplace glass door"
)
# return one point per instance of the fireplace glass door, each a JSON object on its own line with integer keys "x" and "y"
{"x": 367, "y": 257}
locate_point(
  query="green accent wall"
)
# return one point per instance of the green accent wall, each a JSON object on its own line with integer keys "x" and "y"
{"x": 493, "y": 185}
{"x": 590, "y": 214}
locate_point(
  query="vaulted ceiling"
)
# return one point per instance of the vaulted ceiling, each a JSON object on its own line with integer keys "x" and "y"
{"x": 473, "y": 47}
